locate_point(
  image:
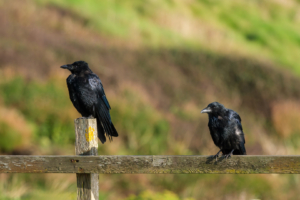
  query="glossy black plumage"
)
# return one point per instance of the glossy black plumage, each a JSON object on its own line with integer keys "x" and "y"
{"x": 88, "y": 97}
{"x": 225, "y": 129}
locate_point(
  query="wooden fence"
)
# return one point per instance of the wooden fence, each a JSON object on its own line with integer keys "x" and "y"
{"x": 87, "y": 165}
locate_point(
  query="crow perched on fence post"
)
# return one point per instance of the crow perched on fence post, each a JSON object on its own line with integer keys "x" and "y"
{"x": 225, "y": 129}
{"x": 88, "y": 97}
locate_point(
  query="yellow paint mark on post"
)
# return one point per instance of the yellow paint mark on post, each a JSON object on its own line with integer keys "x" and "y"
{"x": 89, "y": 134}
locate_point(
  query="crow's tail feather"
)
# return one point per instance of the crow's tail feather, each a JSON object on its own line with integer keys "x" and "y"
{"x": 242, "y": 148}
{"x": 114, "y": 132}
{"x": 101, "y": 133}
{"x": 103, "y": 117}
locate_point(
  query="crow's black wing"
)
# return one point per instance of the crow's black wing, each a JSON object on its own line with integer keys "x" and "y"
{"x": 104, "y": 97}
{"x": 239, "y": 131}
{"x": 102, "y": 106}
{"x": 97, "y": 87}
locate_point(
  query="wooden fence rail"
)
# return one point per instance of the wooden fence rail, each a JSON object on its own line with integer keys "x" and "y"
{"x": 87, "y": 165}
{"x": 150, "y": 164}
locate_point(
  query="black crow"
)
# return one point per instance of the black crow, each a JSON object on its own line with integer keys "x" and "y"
{"x": 225, "y": 129}
{"x": 88, "y": 97}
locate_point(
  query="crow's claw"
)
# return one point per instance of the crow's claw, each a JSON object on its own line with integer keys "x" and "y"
{"x": 228, "y": 155}
{"x": 217, "y": 155}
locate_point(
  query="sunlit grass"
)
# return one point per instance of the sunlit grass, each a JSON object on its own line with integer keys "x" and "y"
{"x": 47, "y": 107}
{"x": 35, "y": 101}
{"x": 36, "y": 186}
{"x": 186, "y": 30}
{"x": 257, "y": 28}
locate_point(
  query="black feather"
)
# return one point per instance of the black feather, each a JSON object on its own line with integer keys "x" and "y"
{"x": 88, "y": 97}
{"x": 101, "y": 132}
{"x": 225, "y": 129}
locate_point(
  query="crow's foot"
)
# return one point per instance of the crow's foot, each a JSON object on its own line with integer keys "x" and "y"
{"x": 228, "y": 155}
{"x": 217, "y": 155}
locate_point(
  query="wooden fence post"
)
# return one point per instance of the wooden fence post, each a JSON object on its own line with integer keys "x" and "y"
{"x": 87, "y": 144}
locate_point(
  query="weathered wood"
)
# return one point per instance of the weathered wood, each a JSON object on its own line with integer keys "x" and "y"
{"x": 86, "y": 137}
{"x": 86, "y": 144}
{"x": 150, "y": 164}
{"x": 87, "y": 186}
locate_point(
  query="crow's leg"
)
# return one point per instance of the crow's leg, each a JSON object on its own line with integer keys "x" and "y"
{"x": 229, "y": 155}
{"x": 217, "y": 155}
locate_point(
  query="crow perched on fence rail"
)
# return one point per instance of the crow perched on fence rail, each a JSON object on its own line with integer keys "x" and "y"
{"x": 88, "y": 97}
{"x": 225, "y": 129}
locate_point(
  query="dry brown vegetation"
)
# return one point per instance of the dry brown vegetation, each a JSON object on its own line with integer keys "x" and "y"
{"x": 166, "y": 87}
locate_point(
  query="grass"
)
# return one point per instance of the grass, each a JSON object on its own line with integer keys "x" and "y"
{"x": 36, "y": 186}
{"x": 143, "y": 130}
{"x": 142, "y": 122}
{"x": 112, "y": 18}
{"x": 10, "y": 138}
{"x": 149, "y": 195}
{"x": 255, "y": 28}
{"x": 186, "y": 55}
{"x": 33, "y": 100}
{"x": 146, "y": 129}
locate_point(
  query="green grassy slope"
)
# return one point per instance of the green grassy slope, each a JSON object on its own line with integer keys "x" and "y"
{"x": 161, "y": 62}
{"x": 257, "y": 28}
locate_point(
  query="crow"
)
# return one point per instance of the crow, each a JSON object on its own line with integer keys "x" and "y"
{"x": 88, "y": 97}
{"x": 225, "y": 129}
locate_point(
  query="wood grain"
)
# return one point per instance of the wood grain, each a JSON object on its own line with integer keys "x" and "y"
{"x": 150, "y": 164}
{"x": 86, "y": 144}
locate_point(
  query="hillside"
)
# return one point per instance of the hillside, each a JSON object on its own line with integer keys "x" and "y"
{"x": 161, "y": 62}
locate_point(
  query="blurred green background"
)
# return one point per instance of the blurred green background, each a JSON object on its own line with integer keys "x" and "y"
{"x": 161, "y": 62}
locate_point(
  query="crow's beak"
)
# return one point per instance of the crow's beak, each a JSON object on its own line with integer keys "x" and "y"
{"x": 65, "y": 66}
{"x": 206, "y": 110}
